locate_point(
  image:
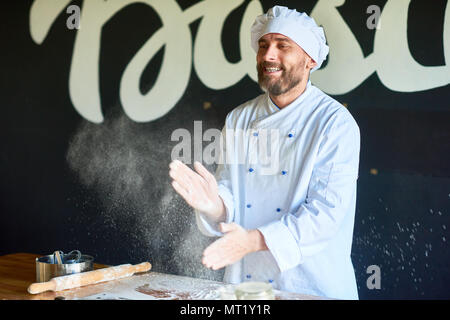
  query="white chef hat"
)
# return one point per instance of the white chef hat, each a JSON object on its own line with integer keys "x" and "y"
{"x": 299, "y": 27}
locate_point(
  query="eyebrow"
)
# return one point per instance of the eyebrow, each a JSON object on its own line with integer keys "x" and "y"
{"x": 276, "y": 39}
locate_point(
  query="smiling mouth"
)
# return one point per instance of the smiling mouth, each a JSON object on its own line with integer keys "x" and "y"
{"x": 272, "y": 69}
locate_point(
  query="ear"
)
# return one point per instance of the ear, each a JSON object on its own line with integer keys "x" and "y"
{"x": 311, "y": 63}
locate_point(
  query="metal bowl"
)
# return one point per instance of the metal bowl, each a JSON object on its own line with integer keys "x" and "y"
{"x": 46, "y": 268}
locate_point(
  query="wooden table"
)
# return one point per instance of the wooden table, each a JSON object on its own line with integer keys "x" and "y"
{"x": 18, "y": 271}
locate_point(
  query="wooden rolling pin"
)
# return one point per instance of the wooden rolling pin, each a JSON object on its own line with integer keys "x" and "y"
{"x": 90, "y": 277}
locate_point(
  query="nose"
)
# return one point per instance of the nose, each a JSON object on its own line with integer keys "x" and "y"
{"x": 269, "y": 53}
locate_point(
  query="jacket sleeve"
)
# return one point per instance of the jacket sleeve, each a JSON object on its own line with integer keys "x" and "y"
{"x": 223, "y": 179}
{"x": 330, "y": 198}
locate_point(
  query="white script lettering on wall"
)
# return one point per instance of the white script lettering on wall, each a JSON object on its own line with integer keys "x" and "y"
{"x": 346, "y": 69}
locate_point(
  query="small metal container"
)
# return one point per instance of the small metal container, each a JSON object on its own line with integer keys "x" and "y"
{"x": 254, "y": 291}
{"x": 47, "y": 267}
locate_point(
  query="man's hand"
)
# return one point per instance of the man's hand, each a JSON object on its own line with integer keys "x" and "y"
{"x": 199, "y": 189}
{"x": 233, "y": 246}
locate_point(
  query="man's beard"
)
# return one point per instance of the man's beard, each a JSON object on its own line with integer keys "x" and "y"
{"x": 276, "y": 87}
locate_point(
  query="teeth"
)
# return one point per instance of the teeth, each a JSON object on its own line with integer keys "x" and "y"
{"x": 272, "y": 69}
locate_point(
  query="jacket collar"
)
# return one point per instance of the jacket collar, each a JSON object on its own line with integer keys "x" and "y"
{"x": 287, "y": 114}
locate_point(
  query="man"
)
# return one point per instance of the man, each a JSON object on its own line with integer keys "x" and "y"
{"x": 294, "y": 227}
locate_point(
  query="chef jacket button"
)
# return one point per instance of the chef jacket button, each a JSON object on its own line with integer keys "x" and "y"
{"x": 255, "y": 134}
{"x": 290, "y": 135}
{"x": 248, "y": 276}
{"x": 283, "y": 172}
{"x": 249, "y": 205}
{"x": 270, "y": 280}
{"x": 251, "y": 170}
{"x": 278, "y": 209}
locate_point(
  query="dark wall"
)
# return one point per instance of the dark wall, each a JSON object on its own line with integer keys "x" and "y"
{"x": 103, "y": 188}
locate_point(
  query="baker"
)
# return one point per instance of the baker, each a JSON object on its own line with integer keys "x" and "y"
{"x": 292, "y": 227}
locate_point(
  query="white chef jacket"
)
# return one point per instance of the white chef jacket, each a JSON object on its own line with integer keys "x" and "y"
{"x": 305, "y": 207}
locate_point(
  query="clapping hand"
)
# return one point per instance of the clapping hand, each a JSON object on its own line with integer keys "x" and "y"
{"x": 198, "y": 188}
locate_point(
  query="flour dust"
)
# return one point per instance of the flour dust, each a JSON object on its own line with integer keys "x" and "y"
{"x": 126, "y": 164}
